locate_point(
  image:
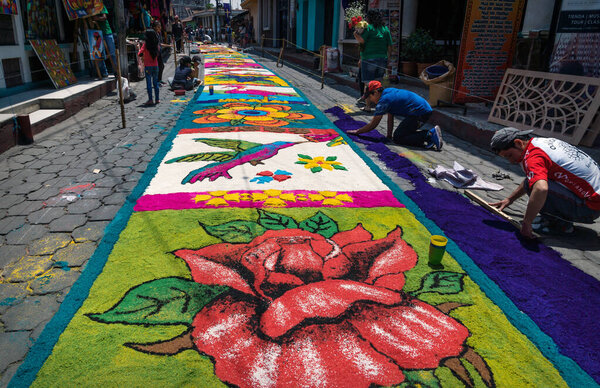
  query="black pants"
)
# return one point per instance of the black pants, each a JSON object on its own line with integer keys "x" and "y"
{"x": 161, "y": 67}
{"x": 408, "y": 132}
{"x": 178, "y": 42}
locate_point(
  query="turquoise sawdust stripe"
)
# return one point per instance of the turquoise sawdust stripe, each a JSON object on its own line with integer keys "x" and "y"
{"x": 42, "y": 349}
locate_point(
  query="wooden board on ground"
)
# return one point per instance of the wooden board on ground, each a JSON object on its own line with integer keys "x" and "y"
{"x": 54, "y": 62}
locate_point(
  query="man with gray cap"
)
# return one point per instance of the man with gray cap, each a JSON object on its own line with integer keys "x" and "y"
{"x": 563, "y": 182}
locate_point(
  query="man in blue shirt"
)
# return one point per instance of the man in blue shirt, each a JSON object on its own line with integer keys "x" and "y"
{"x": 415, "y": 110}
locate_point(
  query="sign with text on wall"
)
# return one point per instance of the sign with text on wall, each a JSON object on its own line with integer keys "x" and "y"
{"x": 576, "y": 48}
{"x": 487, "y": 46}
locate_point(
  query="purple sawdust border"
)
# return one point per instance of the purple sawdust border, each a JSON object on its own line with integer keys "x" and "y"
{"x": 561, "y": 299}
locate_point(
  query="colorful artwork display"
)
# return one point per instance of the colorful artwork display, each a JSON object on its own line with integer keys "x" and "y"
{"x": 9, "y": 7}
{"x": 82, "y": 8}
{"x": 54, "y": 62}
{"x": 280, "y": 256}
{"x": 96, "y": 44}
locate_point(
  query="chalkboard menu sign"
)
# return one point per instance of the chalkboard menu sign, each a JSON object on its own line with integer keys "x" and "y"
{"x": 486, "y": 48}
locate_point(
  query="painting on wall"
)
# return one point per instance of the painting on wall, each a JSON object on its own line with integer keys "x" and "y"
{"x": 96, "y": 44}
{"x": 54, "y": 62}
{"x": 82, "y": 8}
{"x": 9, "y": 7}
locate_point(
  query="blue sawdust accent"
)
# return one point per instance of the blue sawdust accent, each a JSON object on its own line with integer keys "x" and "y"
{"x": 62, "y": 265}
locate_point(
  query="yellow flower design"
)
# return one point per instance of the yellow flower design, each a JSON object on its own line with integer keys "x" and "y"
{"x": 319, "y": 163}
{"x": 271, "y": 198}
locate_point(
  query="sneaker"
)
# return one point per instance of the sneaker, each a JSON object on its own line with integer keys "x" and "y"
{"x": 436, "y": 137}
{"x": 361, "y": 101}
{"x": 552, "y": 226}
{"x": 366, "y": 109}
{"x": 156, "y": 102}
{"x": 148, "y": 103}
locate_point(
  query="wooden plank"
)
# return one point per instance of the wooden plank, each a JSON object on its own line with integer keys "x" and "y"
{"x": 492, "y": 209}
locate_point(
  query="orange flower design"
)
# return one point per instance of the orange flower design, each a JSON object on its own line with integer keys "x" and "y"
{"x": 237, "y": 113}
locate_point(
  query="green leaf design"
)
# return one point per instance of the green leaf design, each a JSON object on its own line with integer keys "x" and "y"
{"x": 442, "y": 282}
{"x": 320, "y": 224}
{"x": 204, "y": 157}
{"x": 316, "y": 169}
{"x": 420, "y": 378}
{"x": 276, "y": 221}
{"x": 304, "y": 156}
{"x": 166, "y": 301}
{"x": 300, "y": 162}
{"x": 236, "y": 122}
{"x": 331, "y": 158}
{"x": 339, "y": 167}
{"x": 238, "y": 231}
{"x": 232, "y": 144}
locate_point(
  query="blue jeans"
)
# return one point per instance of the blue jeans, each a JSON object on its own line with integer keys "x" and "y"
{"x": 110, "y": 43}
{"x": 372, "y": 69}
{"x": 152, "y": 81}
{"x": 563, "y": 203}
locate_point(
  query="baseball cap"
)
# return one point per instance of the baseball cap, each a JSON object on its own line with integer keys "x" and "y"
{"x": 504, "y": 137}
{"x": 374, "y": 85}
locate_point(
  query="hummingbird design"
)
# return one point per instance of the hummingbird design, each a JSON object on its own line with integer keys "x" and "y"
{"x": 242, "y": 152}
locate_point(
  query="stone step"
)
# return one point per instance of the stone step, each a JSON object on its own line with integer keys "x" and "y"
{"x": 41, "y": 115}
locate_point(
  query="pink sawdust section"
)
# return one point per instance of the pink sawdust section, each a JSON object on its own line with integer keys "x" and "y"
{"x": 254, "y": 65}
{"x": 295, "y": 131}
{"x": 268, "y": 198}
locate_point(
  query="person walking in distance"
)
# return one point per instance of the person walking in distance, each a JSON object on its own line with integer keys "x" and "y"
{"x": 150, "y": 53}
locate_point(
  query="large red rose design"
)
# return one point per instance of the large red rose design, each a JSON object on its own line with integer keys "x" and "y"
{"x": 319, "y": 311}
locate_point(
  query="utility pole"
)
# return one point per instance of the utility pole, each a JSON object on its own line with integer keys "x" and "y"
{"x": 218, "y": 32}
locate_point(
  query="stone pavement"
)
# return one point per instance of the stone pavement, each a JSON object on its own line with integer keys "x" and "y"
{"x": 582, "y": 249}
{"x": 59, "y": 194}
{"x": 56, "y": 198}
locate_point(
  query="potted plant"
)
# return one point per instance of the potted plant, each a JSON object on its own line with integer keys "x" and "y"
{"x": 420, "y": 48}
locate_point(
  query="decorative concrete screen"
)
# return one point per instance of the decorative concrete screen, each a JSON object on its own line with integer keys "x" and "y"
{"x": 553, "y": 105}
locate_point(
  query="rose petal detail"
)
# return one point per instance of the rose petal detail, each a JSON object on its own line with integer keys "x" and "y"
{"x": 365, "y": 254}
{"x": 226, "y": 331}
{"x": 298, "y": 258}
{"x": 208, "y": 272}
{"x": 327, "y": 299}
{"x": 337, "y": 267}
{"x": 356, "y": 235}
{"x": 417, "y": 336}
{"x": 398, "y": 258}
{"x": 393, "y": 282}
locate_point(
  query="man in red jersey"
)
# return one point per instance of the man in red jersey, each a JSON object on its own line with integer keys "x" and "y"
{"x": 563, "y": 182}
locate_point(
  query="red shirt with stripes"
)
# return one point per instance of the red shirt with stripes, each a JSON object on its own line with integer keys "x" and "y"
{"x": 555, "y": 160}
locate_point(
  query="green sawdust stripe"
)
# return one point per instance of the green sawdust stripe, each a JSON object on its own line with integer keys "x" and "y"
{"x": 42, "y": 348}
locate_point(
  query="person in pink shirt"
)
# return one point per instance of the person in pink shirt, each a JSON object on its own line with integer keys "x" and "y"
{"x": 149, "y": 52}
{"x": 563, "y": 182}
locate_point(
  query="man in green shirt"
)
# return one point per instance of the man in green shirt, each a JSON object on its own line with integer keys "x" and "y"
{"x": 101, "y": 21}
{"x": 376, "y": 41}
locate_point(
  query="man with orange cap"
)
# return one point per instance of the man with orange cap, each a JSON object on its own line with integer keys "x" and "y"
{"x": 415, "y": 110}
